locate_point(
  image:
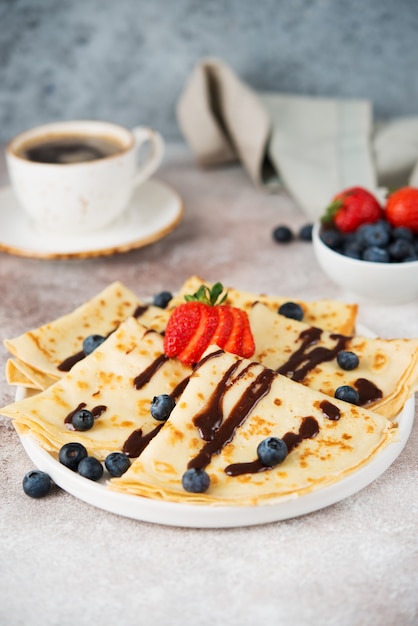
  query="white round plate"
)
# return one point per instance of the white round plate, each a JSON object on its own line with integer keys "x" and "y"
{"x": 205, "y": 516}
{"x": 155, "y": 210}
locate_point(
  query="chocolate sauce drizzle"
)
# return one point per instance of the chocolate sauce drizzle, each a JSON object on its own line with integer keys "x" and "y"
{"x": 367, "y": 391}
{"x": 330, "y": 411}
{"x": 308, "y": 429}
{"x": 144, "y": 377}
{"x": 137, "y": 442}
{"x": 140, "y": 310}
{"x": 68, "y": 363}
{"x": 218, "y": 433}
{"x": 177, "y": 391}
{"x": 95, "y": 411}
{"x": 303, "y": 361}
{"x": 210, "y": 418}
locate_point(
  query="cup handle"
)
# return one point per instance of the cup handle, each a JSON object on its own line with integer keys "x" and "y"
{"x": 155, "y": 156}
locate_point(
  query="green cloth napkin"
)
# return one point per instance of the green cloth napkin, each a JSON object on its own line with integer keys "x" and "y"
{"x": 313, "y": 147}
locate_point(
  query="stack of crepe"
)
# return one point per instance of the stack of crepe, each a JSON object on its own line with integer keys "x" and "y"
{"x": 42, "y": 356}
{"x": 329, "y": 314}
{"x": 225, "y": 405}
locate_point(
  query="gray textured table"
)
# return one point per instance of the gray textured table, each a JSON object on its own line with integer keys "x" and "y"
{"x": 64, "y": 562}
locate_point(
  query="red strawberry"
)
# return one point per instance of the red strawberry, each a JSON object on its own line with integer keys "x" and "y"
{"x": 351, "y": 208}
{"x": 402, "y": 208}
{"x": 200, "y": 321}
{"x": 235, "y": 340}
{"x": 224, "y": 329}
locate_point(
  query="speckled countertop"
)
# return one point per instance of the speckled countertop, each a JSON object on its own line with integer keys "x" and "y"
{"x": 64, "y": 562}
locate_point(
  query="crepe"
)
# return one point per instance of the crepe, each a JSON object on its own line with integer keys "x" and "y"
{"x": 45, "y": 354}
{"x": 329, "y": 314}
{"x": 227, "y": 408}
{"x": 116, "y": 382}
{"x": 386, "y": 377}
{"x": 52, "y": 349}
{"x": 23, "y": 375}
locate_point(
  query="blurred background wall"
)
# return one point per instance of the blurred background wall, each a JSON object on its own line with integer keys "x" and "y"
{"x": 128, "y": 60}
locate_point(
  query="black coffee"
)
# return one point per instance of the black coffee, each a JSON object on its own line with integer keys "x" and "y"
{"x": 69, "y": 149}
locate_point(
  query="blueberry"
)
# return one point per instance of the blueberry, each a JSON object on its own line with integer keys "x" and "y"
{"x": 347, "y": 360}
{"x": 305, "y": 232}
{"x": 117, "y": 463}
{"x": 90, "y": 468}
{"x": 36, "y": 484}
{"x": 92, "y": 342}
{"x": 292, "y": 310}
{"x": 358, "y": 235}
{"x": 162, "y": 299}
{"x": 352, "y": 248}
{"x": 352, "y": 253}
{"x": 383, "y": 223}
{"x": 361, "y": 235}
{"x": 282, "y": 234}
{"x": 332, "y": 238}
{"x": 71, "y": 454}
{"x": 271, "y": 451}
{"x": 375, "y": 234}
{"x": 376, "y": 255}
{"x": 402, "y": 232}
{"x": 82, "y": 420}
{"x": 400, "y": 249}
{"x": 348, "y": 394}
{"x": 161, "y": 407}
{"x": 195, "y": 480}
{"x": 354, "y": 238}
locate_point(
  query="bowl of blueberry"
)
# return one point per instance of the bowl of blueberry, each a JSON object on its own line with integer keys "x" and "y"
{"x": 369, "y": 247}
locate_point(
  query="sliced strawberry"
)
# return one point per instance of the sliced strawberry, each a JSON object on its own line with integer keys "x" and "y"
{"x": 202, "y": 335}
{"x": 200, "y": 321}
{"x": 248, "y": 344}
{"x": 225, "y": 323}
{"x": 181, "y": 327}
{"x": 234, "y": 342}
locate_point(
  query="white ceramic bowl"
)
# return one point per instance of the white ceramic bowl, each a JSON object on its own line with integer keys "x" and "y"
{"x": 389, "y": 283}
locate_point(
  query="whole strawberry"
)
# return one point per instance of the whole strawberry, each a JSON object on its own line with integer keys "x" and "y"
{"x": 351, "y": 208}
{"x": 202, "y": 321}
{"x": 402, "y": 208}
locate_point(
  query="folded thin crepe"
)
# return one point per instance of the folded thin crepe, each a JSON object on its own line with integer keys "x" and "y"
{"x": 117, "y": 383}
{"x": 23, "y": 375}
{"x": 388, "y": 368}
{"x": 314, "y": 147}
{"x": 48, "y": 352}
{"x": 387, "y": 376}
{"x": 330, "y": 314}
{"x": 227, "y": 408}
{"x": 43, "y": 355}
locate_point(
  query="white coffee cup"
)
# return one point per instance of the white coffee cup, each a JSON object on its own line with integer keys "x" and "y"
{"x": 72, "y": 195}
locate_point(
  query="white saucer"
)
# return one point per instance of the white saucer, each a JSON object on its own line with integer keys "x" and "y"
{"x": 155, "y": 210}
